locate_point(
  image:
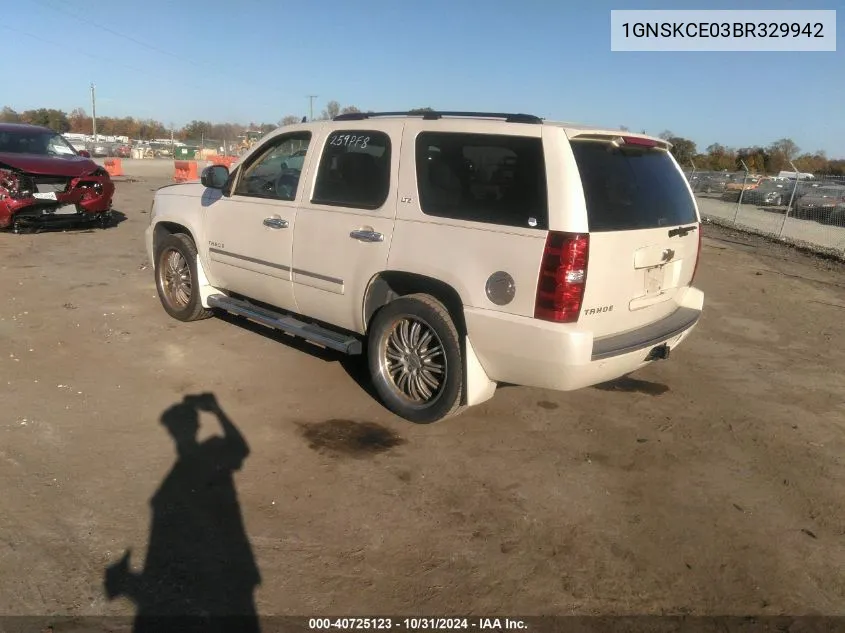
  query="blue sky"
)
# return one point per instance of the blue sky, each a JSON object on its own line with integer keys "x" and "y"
{"x": 256, "y": 60}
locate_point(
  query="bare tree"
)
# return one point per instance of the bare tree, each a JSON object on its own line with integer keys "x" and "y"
{"x": 331, "y": 111}
{"x": 785, "y": 146}
{"x": 290, "y": 119}
{"x": 349, "y": 110}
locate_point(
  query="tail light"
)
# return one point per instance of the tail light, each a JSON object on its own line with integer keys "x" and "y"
{"x": 642, "y": 142}
{"x": 563, "y": 276}
{"x": 697, "y": 254}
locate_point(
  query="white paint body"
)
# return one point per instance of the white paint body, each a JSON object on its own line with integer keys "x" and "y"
{"x": 312, "y": 268}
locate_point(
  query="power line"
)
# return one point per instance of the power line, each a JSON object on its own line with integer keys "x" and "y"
{"x": 157, "y": 49}
{"x": 63, "y": 47}
{"x": 113, "y": 32}
{"x": 92, "y": 56}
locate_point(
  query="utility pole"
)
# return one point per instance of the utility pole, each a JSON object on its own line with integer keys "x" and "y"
{"x": 311, "y": 106}
{"x": 93, "y": 113}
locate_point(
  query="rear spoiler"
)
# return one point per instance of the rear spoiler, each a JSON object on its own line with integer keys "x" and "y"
{"x": 622, "y": 140}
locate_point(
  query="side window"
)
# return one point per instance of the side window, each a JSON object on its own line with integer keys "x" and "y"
{"x": 275, "y": 172}
{"x": 354, "y": 170}
{"x": 487, "y": 178}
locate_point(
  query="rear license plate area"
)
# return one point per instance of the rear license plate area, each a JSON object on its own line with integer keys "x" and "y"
{"x": 654, "y": 278}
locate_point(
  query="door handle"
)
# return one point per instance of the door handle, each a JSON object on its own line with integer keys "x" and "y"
{"x": 367, "y": 235}
{"x": 276, "y": 223}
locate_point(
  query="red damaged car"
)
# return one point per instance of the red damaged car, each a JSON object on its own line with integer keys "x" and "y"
{"x": 45, "y": 182}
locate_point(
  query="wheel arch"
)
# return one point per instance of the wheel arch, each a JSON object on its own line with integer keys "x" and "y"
{"x": 167, "y": 227}
{"x": 391, "y": 284}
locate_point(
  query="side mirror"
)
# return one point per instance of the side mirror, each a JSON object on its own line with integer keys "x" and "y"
{"x": 85, "y": 153}
{"x": 215, "y": 176}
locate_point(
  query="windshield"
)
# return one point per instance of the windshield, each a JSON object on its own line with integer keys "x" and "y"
{"x": 632, "y": 189}
{"x": 37, "y": 142}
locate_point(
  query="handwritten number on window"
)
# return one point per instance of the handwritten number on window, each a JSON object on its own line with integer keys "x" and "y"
{"x": 349, "y": 140}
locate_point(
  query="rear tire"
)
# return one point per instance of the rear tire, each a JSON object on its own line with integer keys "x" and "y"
{"x": 176, "y": 278}
{"x": 415, "y": 360}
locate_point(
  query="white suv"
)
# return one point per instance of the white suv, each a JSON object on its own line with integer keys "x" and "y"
{"x": 458, "y": 250}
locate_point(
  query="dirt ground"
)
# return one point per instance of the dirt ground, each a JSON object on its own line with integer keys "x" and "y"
{"x": 711, "y": 483}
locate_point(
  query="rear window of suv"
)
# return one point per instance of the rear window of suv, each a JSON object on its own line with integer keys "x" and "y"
{"x": 631, "y": 188}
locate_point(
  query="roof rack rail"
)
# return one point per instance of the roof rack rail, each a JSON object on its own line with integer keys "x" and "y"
{"x": 437, "y": 114}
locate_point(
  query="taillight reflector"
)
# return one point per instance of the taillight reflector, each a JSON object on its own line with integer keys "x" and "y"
{"x": 563, "y": 276}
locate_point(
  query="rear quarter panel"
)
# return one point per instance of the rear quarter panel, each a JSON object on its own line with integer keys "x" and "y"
{"x": 460, "y": 253}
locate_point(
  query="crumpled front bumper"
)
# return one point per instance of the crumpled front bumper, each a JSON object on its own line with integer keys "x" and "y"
{"x": 91, "y": 195}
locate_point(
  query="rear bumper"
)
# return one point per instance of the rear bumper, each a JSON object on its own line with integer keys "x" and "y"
{"x": 646, "y": 337}
{"x": 525, "y": 351}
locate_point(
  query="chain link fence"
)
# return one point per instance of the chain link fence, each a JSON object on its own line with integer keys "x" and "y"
{"x": 808, "y": 211}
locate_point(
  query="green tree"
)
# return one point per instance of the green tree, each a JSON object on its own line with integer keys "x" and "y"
{"x": 196, "y": 130}
{"x": 683, "y": 150}
{"x": 780, "y": 153}
{"x": 816, "y": 163}
{"x": 8, "y": 115}
{"x": 720, "y": 158}
{"x": 48, "y": 117}
{"x": 754, "y": 157}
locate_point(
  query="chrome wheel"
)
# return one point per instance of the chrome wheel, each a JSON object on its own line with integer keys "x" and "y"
{"x": 175, "y": 277}
{"x": 413, "y": 361}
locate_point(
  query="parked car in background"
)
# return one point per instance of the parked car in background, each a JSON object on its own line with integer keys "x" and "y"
{"x": 79, "y": 146}
{"x": 805, "y": 187}
{"x": 824, "y": 204}
{"x": 768, "y": 193}
{"x": 710, "y": 183}
{"x": 44, "y": 181}
{"x": 161, "y": 151}
{"x": 123, "y": 151}
{"x": 739, "y": 183}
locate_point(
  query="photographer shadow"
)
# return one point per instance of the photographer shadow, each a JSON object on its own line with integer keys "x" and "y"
{"x": 200, "y": 573}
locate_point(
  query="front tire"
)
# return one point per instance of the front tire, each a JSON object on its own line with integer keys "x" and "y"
{"x": 176, "y": 278}
{"x": 415, "y": 360}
